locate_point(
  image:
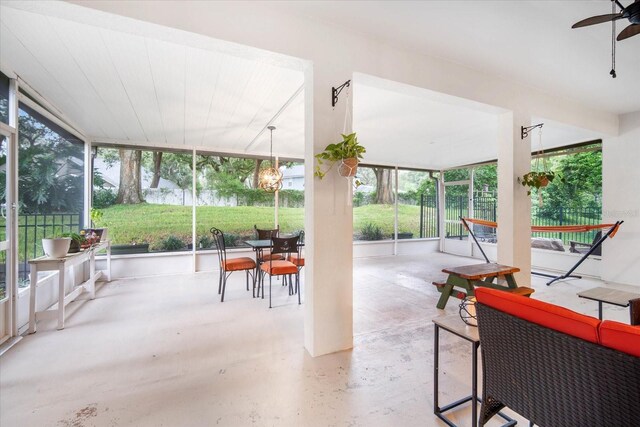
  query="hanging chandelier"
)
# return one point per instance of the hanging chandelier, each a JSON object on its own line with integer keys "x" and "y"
{"x": 270, "y": 179}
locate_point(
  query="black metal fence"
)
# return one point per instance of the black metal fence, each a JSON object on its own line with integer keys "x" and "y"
{"x": 32, "y": 228}
{"x": 429, "y": 216}
{"x": 485, "y": 207}
{"x": 567, "y": 216}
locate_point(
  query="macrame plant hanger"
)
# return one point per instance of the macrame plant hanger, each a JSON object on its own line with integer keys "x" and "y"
{"x": 537, "y": 164}
{"x": 344, "y": 166}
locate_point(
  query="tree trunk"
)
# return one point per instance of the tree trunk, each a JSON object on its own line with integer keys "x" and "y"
{"x": 384, "y": 186}
{"x": 157, "y": 162}
{"x": 130, "y": 191}
{"x": 256, "y": 173}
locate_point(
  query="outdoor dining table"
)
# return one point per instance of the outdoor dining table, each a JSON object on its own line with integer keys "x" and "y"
{"x": 465, "y": 278}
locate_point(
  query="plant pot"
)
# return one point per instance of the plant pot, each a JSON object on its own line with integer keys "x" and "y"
{"x": 130, "y": 249}
{"x": 74, "y": 247}
{"x": 56, "y": 248}
{"x": 544, "y": 181}
{"x": 101, "y": 233}
{"x": 348, "y": 167}
{"x": 405, "y": 235}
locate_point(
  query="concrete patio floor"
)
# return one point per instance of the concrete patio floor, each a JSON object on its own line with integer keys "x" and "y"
{"x": 163, "y": 351}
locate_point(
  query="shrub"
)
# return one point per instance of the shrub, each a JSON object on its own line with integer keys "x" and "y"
{"x": 205, "y": 242}
{"x": 172, "y": 243}
{"x": 103, "y": 198}
{"x": 231, "y": 239}
{"x": 371, "y": 232}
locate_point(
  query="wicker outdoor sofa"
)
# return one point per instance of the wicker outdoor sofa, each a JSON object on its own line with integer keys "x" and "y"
{"x": 554, "y": 366}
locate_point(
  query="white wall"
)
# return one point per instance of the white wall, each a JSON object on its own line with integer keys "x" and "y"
{"x": 621, "y": 201}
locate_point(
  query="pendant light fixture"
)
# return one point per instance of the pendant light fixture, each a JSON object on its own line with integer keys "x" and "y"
{"x": 270, "y": 179}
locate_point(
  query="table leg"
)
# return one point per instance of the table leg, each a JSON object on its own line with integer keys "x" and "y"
{"x": 444, "y": 296}
{"x": 634, "y": 311}
{"x": 511, "y": 281}
{"x": 108, "y": 261}
{"x": 92, "y": 274}
{"x": 474, "y": 382}
{"x": 600, "y": 310}
{"x": 33, "y": 277}
{"x": 61, "y": 296}
{"x": 436, "y": 364}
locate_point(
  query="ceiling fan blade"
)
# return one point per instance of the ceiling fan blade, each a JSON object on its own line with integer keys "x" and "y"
{"x": 597, "y": 20}
{"x": 630, "y": 31}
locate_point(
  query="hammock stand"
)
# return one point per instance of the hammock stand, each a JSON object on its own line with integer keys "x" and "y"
{"x": 612, "y": 231}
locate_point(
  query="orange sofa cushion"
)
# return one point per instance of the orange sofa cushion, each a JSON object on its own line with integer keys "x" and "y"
{"x": 541, "y": 313}
{"x": 299, "y": 261}
{"x": 236, "y": 264}
{"x": 276, "y": 268}
{"x": 621, "y": 337}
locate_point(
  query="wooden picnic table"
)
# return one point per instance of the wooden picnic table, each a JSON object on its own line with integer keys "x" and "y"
{"x": 465, "y": 278}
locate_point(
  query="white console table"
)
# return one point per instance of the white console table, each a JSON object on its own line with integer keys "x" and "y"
{"x": 61, "y": 265}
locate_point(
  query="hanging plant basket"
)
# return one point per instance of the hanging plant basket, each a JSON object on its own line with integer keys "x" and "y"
{"x": 348, "y": 152}
{"x": 536, "y": 180}
{"x": 348, "y": 167}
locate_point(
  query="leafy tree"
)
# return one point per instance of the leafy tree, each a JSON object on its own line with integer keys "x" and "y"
{"x": 580, "y": 185}
{"x": 50, "y": 166}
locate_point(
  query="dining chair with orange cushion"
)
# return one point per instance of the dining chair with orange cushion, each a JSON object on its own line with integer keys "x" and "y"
{"x": 297, "y": 259}
{"x": 267, "y": 234}
{"x": 284, "y": 246}
{"x": 229, "y": 265}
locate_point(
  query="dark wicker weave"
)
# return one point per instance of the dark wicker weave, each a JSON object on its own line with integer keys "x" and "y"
{"x": 554, "y": 379}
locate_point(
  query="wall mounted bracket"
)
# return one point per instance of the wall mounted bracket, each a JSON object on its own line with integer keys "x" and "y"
{"x": 524, "y": 131}
{"x": 335, "y": 91}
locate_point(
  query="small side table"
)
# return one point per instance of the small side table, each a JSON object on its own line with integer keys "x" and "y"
{"x": 454, "y": 324}
{"x": 615, "y": 297}
{"x": 61, "y": 265}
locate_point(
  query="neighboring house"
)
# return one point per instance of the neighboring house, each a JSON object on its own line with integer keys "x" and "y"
{"x": 293, "y": 178}
{"x": 111, "y": 176}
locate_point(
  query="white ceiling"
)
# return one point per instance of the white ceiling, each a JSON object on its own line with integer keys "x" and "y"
{"x": 525, "y": 41}
{"x": 413, "y": 127}
{"x": 139, "y": 83}
{"x": 139, "y": 86}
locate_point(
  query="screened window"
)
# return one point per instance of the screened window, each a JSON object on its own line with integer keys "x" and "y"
{"x": 4, "y": 99}
{"x": 417, "y": 205}
{"x": 50, "y": 183}
{"x": 374, "y": 204}
{"x": 144, "y": 198}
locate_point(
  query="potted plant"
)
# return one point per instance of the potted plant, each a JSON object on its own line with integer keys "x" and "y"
{"x": 96, "y": 216}
{"x": 348, "y": 152}
{"x": 77, "y": 242}
{"x": 536, "y": 180}
{"x": 56, "y": 246}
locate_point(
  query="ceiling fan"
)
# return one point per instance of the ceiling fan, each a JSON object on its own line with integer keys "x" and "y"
{"x": 631, "y": 12}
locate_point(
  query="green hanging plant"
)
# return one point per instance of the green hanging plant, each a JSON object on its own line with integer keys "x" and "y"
{"x": 536, "y": 180}
{"x": 348, "y": 151}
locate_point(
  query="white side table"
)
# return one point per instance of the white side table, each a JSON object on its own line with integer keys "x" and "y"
{"x": 61, "y": 265}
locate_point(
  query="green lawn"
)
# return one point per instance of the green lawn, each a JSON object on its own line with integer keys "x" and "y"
{"x": 146, "y": 223}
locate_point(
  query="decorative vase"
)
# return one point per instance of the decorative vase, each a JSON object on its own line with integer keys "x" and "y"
{"x": 468, "y": 311}
{"x": 348, "y": 167}
{"x": 56, "y": 248}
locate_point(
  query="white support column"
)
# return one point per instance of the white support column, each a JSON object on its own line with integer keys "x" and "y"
{"x": 194, "y": 199}
{"x": 514, "y": 205}
{"x": 328, "y": 297}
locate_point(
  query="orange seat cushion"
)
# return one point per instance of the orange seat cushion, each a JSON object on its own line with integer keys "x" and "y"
{"x": 621, "y": 337}
{"x": 276, "y": 268}
{"x": 299, "y": 261}
{"x": 236, "y": 264}
{"x": 267, "y": 257}
{"x": 541, "y": 313}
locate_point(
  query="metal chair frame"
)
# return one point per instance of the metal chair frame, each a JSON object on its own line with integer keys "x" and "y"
{"x": 218, "y": 238}
{"x": 281, "y": 245}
